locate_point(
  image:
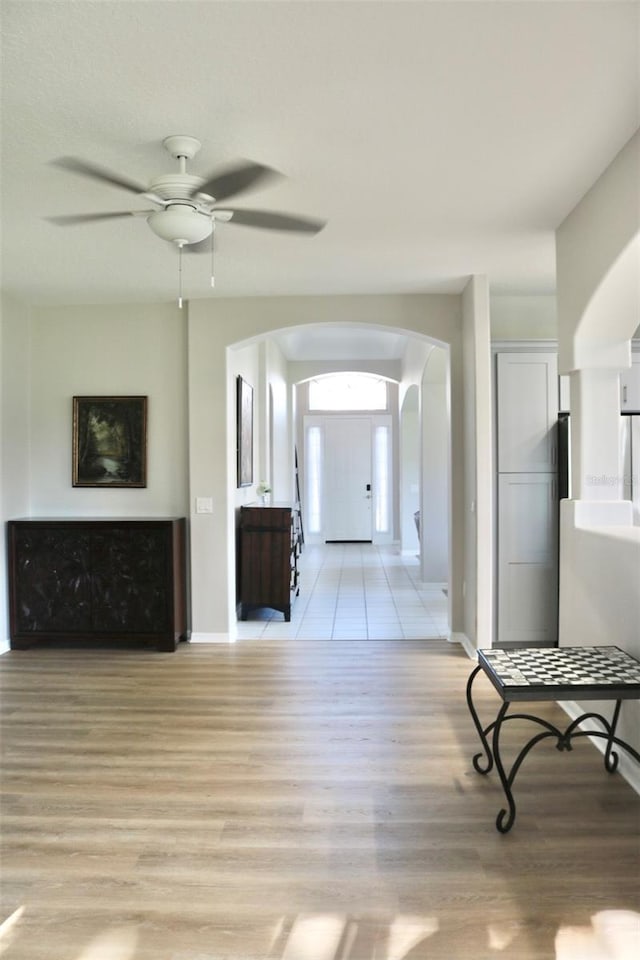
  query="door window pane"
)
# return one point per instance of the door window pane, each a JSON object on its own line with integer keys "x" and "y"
{"x": 381, "y": 491}
{"x": 348, "y": 391}
{"x": 313, "y": 473}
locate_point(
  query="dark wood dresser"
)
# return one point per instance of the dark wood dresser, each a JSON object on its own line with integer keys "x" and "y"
{"x": 82, "y": 579}
{"x": 270, "y": 544}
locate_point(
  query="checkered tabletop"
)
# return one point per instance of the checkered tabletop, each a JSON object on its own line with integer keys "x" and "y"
{"x": 583, "y": 673}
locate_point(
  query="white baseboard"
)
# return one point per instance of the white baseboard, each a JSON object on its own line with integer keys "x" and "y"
{"x": 466, "y": 644}
{"x": 627, "y": 767}
{"x": 211, "y": 638}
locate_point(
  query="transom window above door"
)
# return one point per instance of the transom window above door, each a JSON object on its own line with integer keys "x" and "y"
{"x": 348, "y": 391}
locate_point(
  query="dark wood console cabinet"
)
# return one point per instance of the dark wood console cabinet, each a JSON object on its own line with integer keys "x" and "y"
{"x": 270, "y": 543}
{"x": 80, "y": 579}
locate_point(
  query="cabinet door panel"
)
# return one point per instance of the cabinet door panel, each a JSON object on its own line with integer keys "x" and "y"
{"x": 129, "y": 592}
{"x": 527, "y": 412}
{"x": 52, "y": 579}
{"x": 527, "y": 565}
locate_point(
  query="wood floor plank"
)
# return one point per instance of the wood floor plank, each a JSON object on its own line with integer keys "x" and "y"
{"x": 289, "y": 800}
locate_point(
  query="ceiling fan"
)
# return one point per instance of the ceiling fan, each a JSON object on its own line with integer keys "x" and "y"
{"x": 187, "y": 207}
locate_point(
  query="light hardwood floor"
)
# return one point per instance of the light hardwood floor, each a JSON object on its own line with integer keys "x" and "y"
{"x": 293, "y": 800}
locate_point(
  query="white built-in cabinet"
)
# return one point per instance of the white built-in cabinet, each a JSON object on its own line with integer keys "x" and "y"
{"x": 526, "y": 454}
{"x": 630, "y": 385}
{"x": 528, "y": 397}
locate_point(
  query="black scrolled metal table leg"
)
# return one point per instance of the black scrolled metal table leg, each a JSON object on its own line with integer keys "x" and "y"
{"x": 610, "y": 756}
{"x": 502, "y": 824}
{"x": 481, "y": 732}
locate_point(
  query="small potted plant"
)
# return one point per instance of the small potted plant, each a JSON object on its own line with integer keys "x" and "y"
{"x": 263, "y": 490}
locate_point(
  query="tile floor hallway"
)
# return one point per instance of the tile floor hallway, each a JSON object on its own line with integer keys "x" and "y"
{"x": 357, "y": 591}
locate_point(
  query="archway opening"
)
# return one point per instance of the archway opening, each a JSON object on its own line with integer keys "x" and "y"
{"x": 404, "y": 441}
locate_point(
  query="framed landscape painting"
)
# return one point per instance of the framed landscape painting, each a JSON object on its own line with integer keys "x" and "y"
{"x": 244, "y": 411}
{"x": 109, "y": 441}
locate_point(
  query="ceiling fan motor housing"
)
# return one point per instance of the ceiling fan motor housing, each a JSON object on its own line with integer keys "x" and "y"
{"x": 176, "y": 186}
{"x": 180, "y": 222}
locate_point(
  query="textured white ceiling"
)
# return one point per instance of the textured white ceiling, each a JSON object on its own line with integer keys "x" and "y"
{"x": 437, "y": 139}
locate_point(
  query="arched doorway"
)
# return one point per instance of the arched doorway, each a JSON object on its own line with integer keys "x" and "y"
{"x": 225, "y": 336}
{"x": 404, "y": 437}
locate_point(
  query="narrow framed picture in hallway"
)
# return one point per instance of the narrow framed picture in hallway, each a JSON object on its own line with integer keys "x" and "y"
{"x": 244, "y": 432}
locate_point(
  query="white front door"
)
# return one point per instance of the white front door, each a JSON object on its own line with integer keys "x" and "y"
{"x": 347, "y": 478}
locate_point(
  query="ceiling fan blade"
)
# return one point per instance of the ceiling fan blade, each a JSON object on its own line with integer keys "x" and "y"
{"x": 269, "y": 220}
{"x": 74, "y": 218}
{"x": 236, "y": 179}
{"x": 85, "y": 169}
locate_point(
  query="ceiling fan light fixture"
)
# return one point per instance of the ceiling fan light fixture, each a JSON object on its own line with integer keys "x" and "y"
{"x": 188, "y": 203}
{"x": 180, "y": 223}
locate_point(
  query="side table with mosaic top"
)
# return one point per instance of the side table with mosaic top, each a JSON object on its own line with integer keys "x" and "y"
{"x": 537, "y": 674}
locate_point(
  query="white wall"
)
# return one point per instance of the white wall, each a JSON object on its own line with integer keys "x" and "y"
{"x": 600, "y": 591}
{"x": 410, "y": 447}
{"x": 305, "y": 369}
{"x": 533, "y": 317}
{"x": 15, "y": 337}
{"x": 478, "y": 494}
{"x": 212, "y": 473}
{"x": 50, "y": 355}
{"x": 597, "y": 262}
{"x": 599, "y": 547}
{"x": 281, "y": 440}
{"x": 435, "y": 472}
{"x": 103, "y": 351}
{"x": 248, "y": 363}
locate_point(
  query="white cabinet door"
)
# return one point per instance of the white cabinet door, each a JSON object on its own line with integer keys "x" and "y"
{"x": 527, "y": 559}
{"x": 527, "y": 412}
{"x": 630, "y": 386}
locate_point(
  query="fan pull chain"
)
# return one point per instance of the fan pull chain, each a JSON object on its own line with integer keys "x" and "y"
{"x": 213, "y": 230}
{"x": 180, "y": 275}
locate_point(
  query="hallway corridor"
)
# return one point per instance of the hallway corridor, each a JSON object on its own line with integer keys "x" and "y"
{"x": 357, "y": 591}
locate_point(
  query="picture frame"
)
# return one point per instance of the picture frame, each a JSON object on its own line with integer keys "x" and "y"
{"x": 244, "y": 432}
{"x": 109, "y": 442}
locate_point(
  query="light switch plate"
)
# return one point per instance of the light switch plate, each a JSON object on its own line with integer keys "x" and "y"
{"x": 204, "y": 504}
